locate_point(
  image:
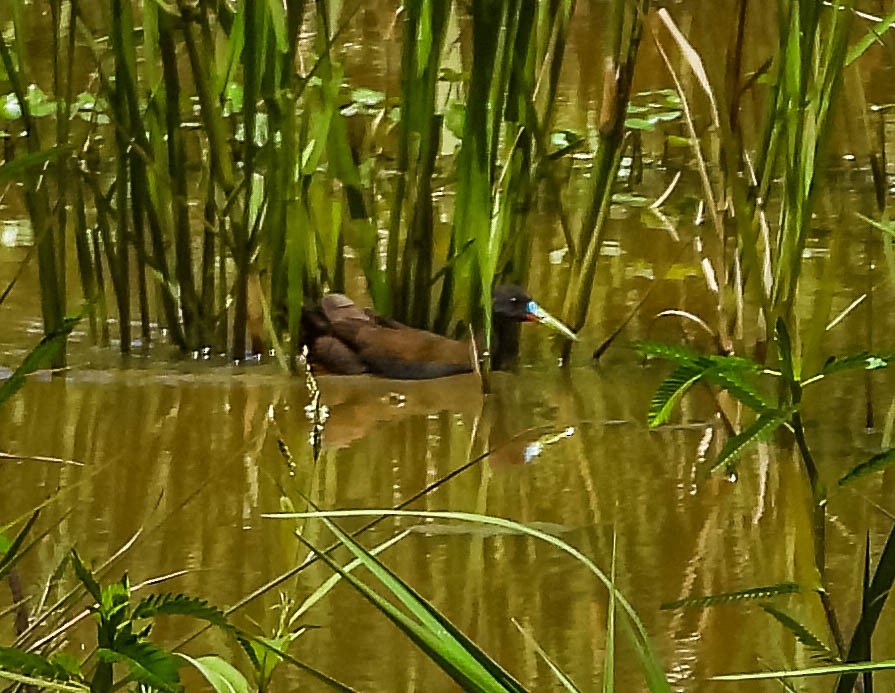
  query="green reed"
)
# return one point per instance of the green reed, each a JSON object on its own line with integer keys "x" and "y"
{"x": 805, "y": 77}
{"x": 622, "y": 39}
{"x": 48, "y": 235}
{"x": 409, "y": 270}
{"x": 517, "y": 52}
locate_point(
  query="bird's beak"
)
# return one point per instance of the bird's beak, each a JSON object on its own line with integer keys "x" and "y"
{"x": 536, "y": 313}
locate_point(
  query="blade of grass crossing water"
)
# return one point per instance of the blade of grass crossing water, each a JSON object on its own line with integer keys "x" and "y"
{"x": 650, "y": 664}
{"x": 609, "y": 655}
{"x": 426, "y": 632}
{"x": 563, "y": 679}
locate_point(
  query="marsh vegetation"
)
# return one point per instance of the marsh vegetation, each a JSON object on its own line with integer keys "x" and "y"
{"x": 708, "y": 186}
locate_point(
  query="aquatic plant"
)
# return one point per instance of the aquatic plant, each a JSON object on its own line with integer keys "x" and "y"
{"x": 739, "y": 377}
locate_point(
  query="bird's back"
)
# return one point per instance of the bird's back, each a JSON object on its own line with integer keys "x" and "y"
{"x": 346, "y": 339}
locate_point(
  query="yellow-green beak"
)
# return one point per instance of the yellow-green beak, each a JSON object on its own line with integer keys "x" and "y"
{"x": 536, "y": 313}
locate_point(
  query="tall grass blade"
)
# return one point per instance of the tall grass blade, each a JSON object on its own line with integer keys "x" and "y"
{"x": 561, "y": 676}
{"x": 11, "y": 552}
{"x": 650, "y": 664}
{"x": 459, "y": 658}
{"x": 874, "y": 600}
{"x": 876, "y": 463}
{"x": 848, "y": 669}
{"x": 609, "y": 655}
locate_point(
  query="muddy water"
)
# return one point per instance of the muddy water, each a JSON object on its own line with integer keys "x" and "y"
{"x": 179, "y": 460}
{"x": 185, "y": 457}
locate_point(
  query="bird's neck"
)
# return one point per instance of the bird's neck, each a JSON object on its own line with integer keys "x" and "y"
{"x": 504, "y": 342}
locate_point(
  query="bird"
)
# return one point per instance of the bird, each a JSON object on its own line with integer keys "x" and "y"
{"x": 344, "y": 339}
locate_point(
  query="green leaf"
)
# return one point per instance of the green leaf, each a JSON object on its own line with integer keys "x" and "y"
{"x": 368, "y": 97}
{"x": 13, "y": 169}
{"x": 670, "y": 392}
{"x": 874, "y": 35}
{"x": 801, "y": 633}
{"x": 458, "y": 656}
{"x": 223, "y": 676}
{"x": 677, "y": 354}
{"x": 455, "y": 118}
{"x": 731, "y": 379}
{"x": 148, "y": 664}
{"x": 278, "y": 22}
{"x": 879, "y": 461}
{"x": 85, "y": 575}
{"x": 886, "y": 226}
{"x": 862, "y": 361}
{"x": 873, "y": 600}
{"x": 44, "y": 684}
{"x": 650, "y": 663}
{"x": 855, "y": 668}
{"x": 9, "y": 555}
{"x": 760, "y": 429}
{"x": 39, "y": 357}
{"x": 179, "y": 605}
{"x": 561, "y": 676}
{"x": 32, "y": 664}
{"x": 701, "y": 601}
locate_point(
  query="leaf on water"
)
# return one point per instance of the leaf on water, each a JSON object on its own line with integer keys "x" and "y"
{"x": 878, "y": 462}
{"x": 702, "y": 601}
{"x": 677, "y": 141}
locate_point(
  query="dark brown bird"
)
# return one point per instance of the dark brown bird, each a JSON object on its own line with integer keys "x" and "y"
{"x": 347, "y": 340}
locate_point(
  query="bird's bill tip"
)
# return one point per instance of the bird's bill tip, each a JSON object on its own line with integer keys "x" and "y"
{"x": 538, "y": 314}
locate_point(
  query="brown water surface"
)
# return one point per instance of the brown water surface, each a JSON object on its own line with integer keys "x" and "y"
{"x": 184, "y": 456}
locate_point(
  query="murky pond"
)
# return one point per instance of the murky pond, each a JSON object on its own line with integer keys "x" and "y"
{"x": 167, "y": 466}
{"x": 184, "y": 456}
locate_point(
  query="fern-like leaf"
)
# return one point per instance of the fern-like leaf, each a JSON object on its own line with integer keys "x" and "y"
{"x": 802, "y": 634}
{"x": 734, "y": 363}
{"x": 179, "y": 605}
{"x": 733, "y": 380}
{"x": 752, "y": 593}
{"x": 148, "y": 664}
{"x": 670, "y": 392}
{"x": 59, "y": 668}
{"x": 879, "y": 461}
{"x": 682, "y": 356}
{"x": 760, "y": 429}
{"x": 863, "y": 361}
{"x": 85, "y": 575}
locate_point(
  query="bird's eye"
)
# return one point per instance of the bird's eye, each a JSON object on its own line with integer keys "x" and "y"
{"x": 513, "y": 299}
